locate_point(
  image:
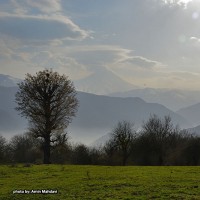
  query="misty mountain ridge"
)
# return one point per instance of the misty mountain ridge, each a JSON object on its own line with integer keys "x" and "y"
{"x": 195, "y": 130}
{"x": 171, "y": 98}
{"x": 105, "y": 111}
{"x": 103, "y": 82}
{"x": 111, "y": 84}
{"x": 98, "y": 114}
{"x": 191, "y": 113}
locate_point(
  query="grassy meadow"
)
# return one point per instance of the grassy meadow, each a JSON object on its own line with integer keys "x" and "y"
{"x": 100, "y": 182}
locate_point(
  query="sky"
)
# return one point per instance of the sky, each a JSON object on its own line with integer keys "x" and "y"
{"x": 149, "y": 43}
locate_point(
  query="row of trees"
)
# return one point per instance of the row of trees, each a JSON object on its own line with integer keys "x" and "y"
{"x": 159, "y": 142}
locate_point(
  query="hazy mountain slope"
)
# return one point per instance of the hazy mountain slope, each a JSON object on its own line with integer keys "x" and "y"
{"x": 8, "y": 81}
{"x": 7, "y": 100}
{"x": 191, "y": 113}
{"x": 103, "y": 111}
{"x": 10, "y": 119}
{"x": 96, "y": 115}
{"x": 7, "y": 121}
{"x": 103, "y": 82}
{"x": 195, "y": 130}
{"x": 171, "y": 98}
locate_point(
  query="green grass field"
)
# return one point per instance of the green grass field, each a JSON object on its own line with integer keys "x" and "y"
{"x": 100, "y": 182}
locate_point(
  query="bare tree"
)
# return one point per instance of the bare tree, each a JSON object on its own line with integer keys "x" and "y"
{"x": 109, "y": 150}
{"x": 122, "y": 137}
{"x": 159, "y": 133}
{"x": 48, "y": 101}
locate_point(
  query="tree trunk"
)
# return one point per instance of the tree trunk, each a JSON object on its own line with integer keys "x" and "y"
{"x": 46, "y": 150}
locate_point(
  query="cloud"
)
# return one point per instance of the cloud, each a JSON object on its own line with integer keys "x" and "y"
{"x": 142, "y": 62}
{"x": 183, "y": 3}
{"x": 123, "y": 62}
{"x": 27, "y": 6}
{"x": 109, "y": 56}
{"x": 195, "y": 39}
{"x": 94, "y": 56}
{"x": 18, "y": 67}
{"x": 177, "y": 79}
{"x": 43, "y": 27}
{"x": 18, "y": 60}
{"x": 140, "y": 41}
{"x": 61, "y": 63}
{"x": 160, "y": 78}
{"x": 46, "y": 6}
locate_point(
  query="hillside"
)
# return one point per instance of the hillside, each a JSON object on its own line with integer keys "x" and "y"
{"x": 195, "y": 130}
{"x": 8, "y": 81}
{"x": 171, "y": 98}
{"x": 96, "y": 115}
{"x": 104, "y": 111}
{"x": 191, "y": 113}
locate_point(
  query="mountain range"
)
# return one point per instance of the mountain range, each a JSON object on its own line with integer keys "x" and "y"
{"x": 195, "y": 130}
{"x": 105, "y": 82}
{"x": 96, "y": 116}
{"x": 191, "y": 113}
{"x": 174, "y": 99}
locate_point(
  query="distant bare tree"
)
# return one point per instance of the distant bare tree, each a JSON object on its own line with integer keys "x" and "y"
{"x": 158, "y": 133}
{"x": 48, "y": 100}
{"x": 109, "y": 150}
{"x": 122, "y": 137}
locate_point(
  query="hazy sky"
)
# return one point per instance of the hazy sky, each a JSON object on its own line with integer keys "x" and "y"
{"x": 152, "y": 43}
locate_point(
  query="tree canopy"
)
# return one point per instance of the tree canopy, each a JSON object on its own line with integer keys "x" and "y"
{"x": 48, "y": 100}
